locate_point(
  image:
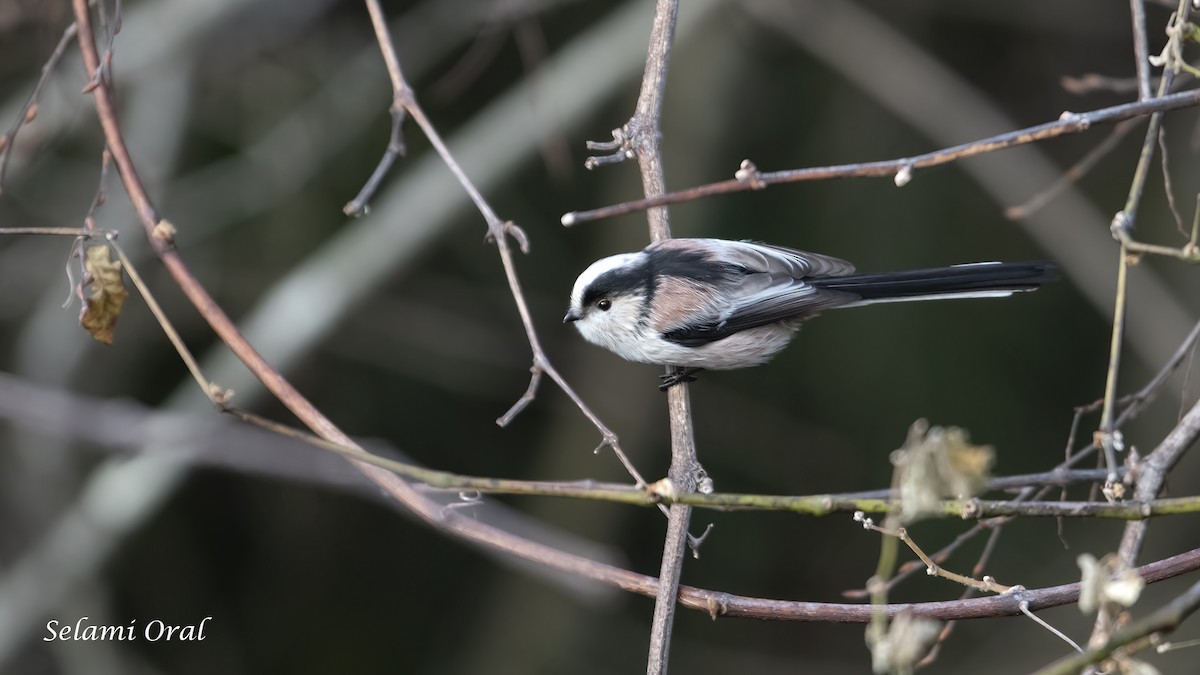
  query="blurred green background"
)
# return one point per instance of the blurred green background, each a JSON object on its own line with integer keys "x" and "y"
{"x": 252, "y": 123}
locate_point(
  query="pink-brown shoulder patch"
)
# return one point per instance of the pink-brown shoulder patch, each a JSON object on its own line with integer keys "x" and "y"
{"x": 676, "y": 302}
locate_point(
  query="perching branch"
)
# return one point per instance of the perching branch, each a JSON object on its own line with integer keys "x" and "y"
{"x": 640, "y": 138}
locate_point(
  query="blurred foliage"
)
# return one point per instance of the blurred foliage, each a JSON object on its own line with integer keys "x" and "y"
{"x": 253, "y": 123}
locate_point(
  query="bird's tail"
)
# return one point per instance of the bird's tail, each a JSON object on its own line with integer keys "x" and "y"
{"x": 973, "y": 280}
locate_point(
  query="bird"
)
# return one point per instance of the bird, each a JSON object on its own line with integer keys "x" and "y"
{"x": 718, "y": 304}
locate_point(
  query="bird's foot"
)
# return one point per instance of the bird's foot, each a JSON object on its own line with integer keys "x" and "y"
{"x": 677, "y": 376}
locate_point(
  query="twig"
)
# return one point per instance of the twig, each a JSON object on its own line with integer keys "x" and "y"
{"x": 395, "y": 150}
{"x": 101, "y": 195}
{"x": 395, "y": 146}
{"x": 1168, "y": 188}
{"x": 1122, "y": 227}
{"x": 215, "y": 394}
{"x": 1073, "y": 174}
{"x": 996, "y": 526}
{"x": 1152, "y": 475}
{"x": 1144, "y": 396}
{"x": 1109, "y": 441}
{"x": 932, "y": 568}
{"x": 1141, "y": 49}
{"x": 1153, "y": 471}
{"x": 1164, "y": 647}
{"x": 1093, "y": 82}
{"x": 29, "y": 109}
{"x": 47, "y": 231}
{"x": 1068, "y": 123}
{"x": 910, "y": 568}
{"x": 1060, "y": 475}
{"x": 1042, "y": 622}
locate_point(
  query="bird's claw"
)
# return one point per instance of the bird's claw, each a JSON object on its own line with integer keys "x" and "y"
{"x": 678, "y": 376}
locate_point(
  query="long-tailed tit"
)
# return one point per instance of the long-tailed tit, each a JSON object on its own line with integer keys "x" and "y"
{"x": 718, "y": 304}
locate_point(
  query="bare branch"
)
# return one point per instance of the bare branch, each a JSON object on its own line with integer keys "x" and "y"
{"x": 1068, "y": 123}
{"x": 29, "y": 109}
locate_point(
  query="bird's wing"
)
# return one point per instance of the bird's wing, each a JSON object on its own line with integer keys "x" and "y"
{"x": 780, "y": 259}
{"x": 772, "y": 288}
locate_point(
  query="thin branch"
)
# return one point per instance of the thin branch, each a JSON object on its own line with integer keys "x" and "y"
{"x": 1152, "y": 475}
{"x": 1146, "y": 395}
{"x": 214, "y": 393}
{"x": 932, "y": 568}
{"x": 46, "y": 231}
{"x": 1123, "y": 224}
{"x": 1076, "y": 172}
{"x": 29, "y": 109}
{"x": 1168, "y": 188}
{"x": 1153, "y": 471}
{"x": 1044, "y": 624}
{"x": 395, "y": 150}
{"x": 1068, "y": 123}
{"x": 404, "y": 99}
{"x": 1141, "y": 49}
{"x": 1109, "y": 440}
{"x": 974, "y": 608}
{"x": 812, "y": 505}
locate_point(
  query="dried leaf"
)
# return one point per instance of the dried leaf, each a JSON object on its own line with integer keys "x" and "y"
{"x": 102, "y": 306}
{"x": 1107, "y": 581}
{"x": 936, "y": 463}
{"x": 1127, "y": 665}
{"x": 1125, "y": 588}
{"x": 1089, "y": 583}
{"x": 907, "y": 641}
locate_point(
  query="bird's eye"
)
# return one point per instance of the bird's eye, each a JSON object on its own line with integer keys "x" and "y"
{"x": 604, "y": 304}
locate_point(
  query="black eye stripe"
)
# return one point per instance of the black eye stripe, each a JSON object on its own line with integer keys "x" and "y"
{"x": 614, "y": 283}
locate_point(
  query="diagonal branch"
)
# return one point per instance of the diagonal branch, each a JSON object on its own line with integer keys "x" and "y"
{"x": 405, "y": 102}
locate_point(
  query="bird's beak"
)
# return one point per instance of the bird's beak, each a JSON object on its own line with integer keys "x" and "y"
{"x": 572, "y": 315}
